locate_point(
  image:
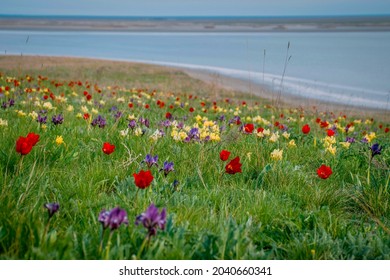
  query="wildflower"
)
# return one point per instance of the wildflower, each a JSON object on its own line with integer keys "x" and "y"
{"x": 370, "y": 137}
{"x": 150, "y": 160}
{"x": 113, "y": 219}
{"x": 33, "y": 115}
{"x": 194, "y": 134}
{"x": 118, "y": 115}
{"x": 99, "y": 121}
{"x": 143, "y": 179}
{"x": 324, "y": 171}
{"x": 59, "y": 119}
{"x": 143, "y": 121}
{"x": 274, "y": 137}
{"x": 286, "y": 135}
{"x": 52, "y": 208}
{"x": 108, "y": 148}
{"x": 59, "y": 140}
{"x": 224, "y": 155}
{"x": 248, "y": 128}
{"x": 132, "y": 124}
{"x": 48, "y": 105}
{"x": 3, "y": 122}
{"x": 167, "y": 167}
{"x": 23, "y": 145}
{"x": 234, "y": 166}
{"x": 277, "y": 154}
{"x": 345, "y": 144}
{"x": 292, "y": 144}
{"x": 41, "y": 119}
{"x": 330, "y": 132}
{"x": 157, "y": 134}
{"x": 331, "y": 149}
{"x": 103, "y": 218}
{"x": 306, "y": 129}
{"x": 376, "y": 149}
{"x": 324, "y": 124}
{"x": 33, "y": 138}
{"x": 152, "y": 220}
{"x": 139, "y": 132}
{"x": 117, "y": 217}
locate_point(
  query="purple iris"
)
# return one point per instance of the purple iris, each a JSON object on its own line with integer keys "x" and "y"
{"x": 221, "y": 118}
{"x": 235, "y": 120}
{"x": 350, "y": 140}
{"x": 99, "y": 121}
{"x": 132, "y": 124}
{"x": 11, "y": 102}
{"x": 59, "y": 119}
{"x": 167, "y": 167}
{"x": 151, "y": 219}
{"x": 41, "y": 119}
{"x": 52, "y": 208}
{"x": 151, "y": 160}
{"x": 376, "y": 149}
{"x": 4, "y": 105}
{"x": 194, "y": 133}
{"x": 118, "y": 115}
{"x": 103, "y": 218}
{"x": 166, "y": 123}
{"x": 180, "y": 125}
{"x": 114, "y": 218}
{"x": 145, "y": 122}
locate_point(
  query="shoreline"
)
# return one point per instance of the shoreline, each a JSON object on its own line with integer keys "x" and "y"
{"x": 216, "y": 81}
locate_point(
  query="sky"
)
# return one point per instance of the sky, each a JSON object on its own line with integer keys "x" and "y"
{"x": 195, "y": 7}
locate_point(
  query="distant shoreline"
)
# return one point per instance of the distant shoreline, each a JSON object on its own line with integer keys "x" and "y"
{"x": 215, "y": 80}
{"x": 197, "y": 24}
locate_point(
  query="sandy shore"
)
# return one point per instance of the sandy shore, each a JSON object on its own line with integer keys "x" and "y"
{"x": 209, "y": 82}
{"x": 271, "y": 24}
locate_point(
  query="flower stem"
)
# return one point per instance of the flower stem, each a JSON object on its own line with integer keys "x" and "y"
{"x": 101, "y": 241}
{"x": 108, "y": 246}
{"x": 141, "y": 249}
{"x": 46, "y": 230}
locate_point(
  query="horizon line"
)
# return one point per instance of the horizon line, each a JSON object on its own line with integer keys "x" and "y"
{"x": 197, "y": 16}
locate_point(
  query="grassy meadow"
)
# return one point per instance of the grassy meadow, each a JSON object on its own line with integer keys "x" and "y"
{"x": 307, "y": 184}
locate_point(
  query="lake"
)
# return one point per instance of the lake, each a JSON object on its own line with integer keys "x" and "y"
{"x": 350, "y": 68}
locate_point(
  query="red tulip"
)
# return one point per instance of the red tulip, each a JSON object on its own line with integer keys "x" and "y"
{"x": 108, "y": 148}
{"x": 306, "y": 129}
{"x": 260, "y": 129}
{"x": 33, "y": 138}
{"x": 234, "y": 166}
{"x": 23, "y": 145}
{"x": 324, "y": 124}
{"x": 143, "y": 179}
{"x": 330, "y": 132}
{"x": 324, "y": 171}
{"x": 224, "y": 155}
{"x": 248, "y": 128}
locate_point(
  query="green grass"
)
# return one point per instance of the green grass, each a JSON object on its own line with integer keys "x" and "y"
{"x": 272, "y": 210}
